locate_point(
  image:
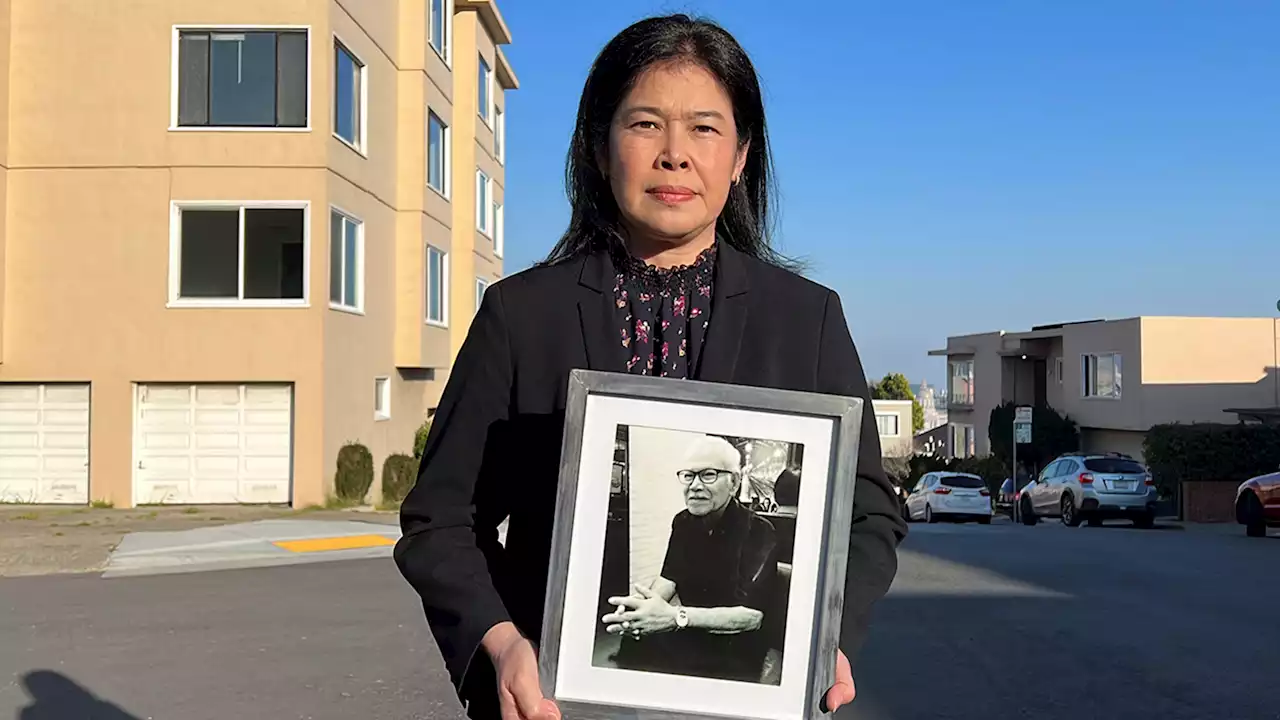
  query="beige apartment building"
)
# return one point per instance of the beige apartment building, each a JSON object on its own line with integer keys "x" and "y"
{"x": 1115, "y": 378}
{"x": 894, "y": 424}
{"x": 236, "y": 236}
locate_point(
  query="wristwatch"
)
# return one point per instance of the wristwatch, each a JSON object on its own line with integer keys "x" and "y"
{"x": 682, "y": 618}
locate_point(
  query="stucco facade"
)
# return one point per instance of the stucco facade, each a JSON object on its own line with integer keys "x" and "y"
{"x": 1115, "y": 378}
{"x": 229, "y": 202}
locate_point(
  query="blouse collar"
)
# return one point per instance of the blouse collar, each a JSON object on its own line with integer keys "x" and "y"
{"x": 633, "y": 268}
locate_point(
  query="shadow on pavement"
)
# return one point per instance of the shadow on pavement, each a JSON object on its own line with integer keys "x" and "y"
{"x": 55, "y": 696}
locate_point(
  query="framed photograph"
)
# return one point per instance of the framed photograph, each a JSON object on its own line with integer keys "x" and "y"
{"x": 698, "y": 558}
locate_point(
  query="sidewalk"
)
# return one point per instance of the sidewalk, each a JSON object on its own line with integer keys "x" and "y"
{"x": 41, "y": 540}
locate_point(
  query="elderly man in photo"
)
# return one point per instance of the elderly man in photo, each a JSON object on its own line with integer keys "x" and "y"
{"x": 704, "y": 614}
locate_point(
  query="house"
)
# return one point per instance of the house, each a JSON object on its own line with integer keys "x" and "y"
{"x": 1115, "y": 378}
{"x": 893, "y": 420}
{"x": 238, "y": 235}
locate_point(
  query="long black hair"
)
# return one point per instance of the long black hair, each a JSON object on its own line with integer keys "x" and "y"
{"x": 746, "y": 221}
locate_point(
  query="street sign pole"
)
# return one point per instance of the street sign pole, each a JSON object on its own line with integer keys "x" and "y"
{"x": 1021, "y": 434}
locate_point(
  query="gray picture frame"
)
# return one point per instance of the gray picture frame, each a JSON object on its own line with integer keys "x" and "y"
{"x": 847, "y": 414}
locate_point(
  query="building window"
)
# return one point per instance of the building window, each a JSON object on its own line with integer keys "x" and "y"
{"x": 484, "y": 97}
{"x": 382, "y": 398}
{"x": 887, "y": 424}
{"x": 349, "y": 97}
{"x": 239, "y": 254}
{"x": 346, "y": 240}
{"x": 484, "y": 203}
{"x": 437, "y": 287}
{"x": 1058, "y": 369}
{"x": 1100, "y": 376}
{"x": 962, "y": 441}
{"x": 437, "y": 154}
{"x": 481, "y": 286}
{"x": 499, "y": 230}
{"x": 499, "y": 134}
{"x": 242, "y": 79}
{"x": 441, "y": 27}
{"x": 961, "y": 382}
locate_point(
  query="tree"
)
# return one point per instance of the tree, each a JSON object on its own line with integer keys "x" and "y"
{"x": 894, "y": 386}
{"x": 1052, "y": 434}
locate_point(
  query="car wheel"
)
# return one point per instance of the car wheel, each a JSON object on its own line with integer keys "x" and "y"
{"x": 928, "y": 514}
{"x": 1070, "y": 517}
{"x": 1255, "y": 524}
{"x": 1027, "y": 514}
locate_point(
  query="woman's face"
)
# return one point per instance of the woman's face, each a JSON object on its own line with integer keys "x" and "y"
{"x": 673, "y": 153}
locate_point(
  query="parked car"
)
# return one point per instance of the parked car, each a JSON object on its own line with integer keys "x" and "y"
{"x": 1008, "y": 495}
{"x": 1090, "y": 487}
{"x": 951, "y": 495}
{"x": 1258, "y": 504}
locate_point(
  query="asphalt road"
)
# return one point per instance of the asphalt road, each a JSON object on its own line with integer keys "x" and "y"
{"x": 983, "y": 622}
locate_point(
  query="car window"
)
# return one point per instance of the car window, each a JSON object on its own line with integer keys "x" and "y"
{"x": 1049, "y": 471}
{"x": 1066, "y": 467}
{"x": 962, "y": 481}
{"x": 1113, "y": 465}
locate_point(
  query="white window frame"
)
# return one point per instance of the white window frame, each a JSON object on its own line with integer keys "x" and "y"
{"x": 347, "y": 217}
{"x": 447, "y": 30}
{"x": 362, "y": 135}
{"x": 1089, "y": 376}
{"x": 382, "y": 396}
{"x": 897, "y": 423}
{"x": 175, "y": 74}
{"x": 952, "y": 366}
{"x": 447, "y": 140}
{"x": 482, "y": 285}
{"x": 484, "y": 208}
{"x": 500, "y": 134}
{"x": 499, "y": 229}
{"x": 444, "y": 287}
{"x": 1059, "y": 369}
{"x": 486, "y": 112}
{"x": 175, "y": 253}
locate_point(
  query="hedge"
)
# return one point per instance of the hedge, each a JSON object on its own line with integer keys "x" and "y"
{"x": 354, "y": 476}
{"x": 1216, "y": 452}
{"x": 990, "y": 468}
{"x": 399, "y": 472}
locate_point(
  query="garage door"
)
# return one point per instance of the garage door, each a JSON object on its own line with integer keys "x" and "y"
{"x": 44, "y": 443}
{"x": 213, "y": 444}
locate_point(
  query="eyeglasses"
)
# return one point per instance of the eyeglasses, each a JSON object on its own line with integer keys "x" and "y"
{"x": 706, "y": 475}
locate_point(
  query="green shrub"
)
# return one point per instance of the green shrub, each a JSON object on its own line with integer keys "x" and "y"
{"x": 354, "y": 477}
{"x": 1052, "y": 434}
{"x": 990, "y": 468}
{"x": 398, "y": 474}
{"x": 420, "y": 439}
{"x": 1223, "y": 452}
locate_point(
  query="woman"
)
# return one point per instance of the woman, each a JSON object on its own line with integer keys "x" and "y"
{"x": 665, "y": 269}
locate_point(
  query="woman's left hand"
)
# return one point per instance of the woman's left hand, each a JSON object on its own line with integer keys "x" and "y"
{"x": 640, "y": 613}
{"x": 842, "y": 693}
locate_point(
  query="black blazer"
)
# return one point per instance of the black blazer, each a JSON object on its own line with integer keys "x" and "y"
{"x": 494, "y": 447}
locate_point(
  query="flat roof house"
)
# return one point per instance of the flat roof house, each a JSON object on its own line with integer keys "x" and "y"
{"x": 1115, "y": 378}
{"x": 236, "y": 236}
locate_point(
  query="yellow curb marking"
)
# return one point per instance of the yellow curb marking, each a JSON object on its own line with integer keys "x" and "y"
{"x": 347, "y": 542}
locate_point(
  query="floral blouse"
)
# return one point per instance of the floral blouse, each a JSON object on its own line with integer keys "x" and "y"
{"x": 663, "y": 314}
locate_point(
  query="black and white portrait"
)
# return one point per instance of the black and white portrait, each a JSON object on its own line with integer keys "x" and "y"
{"x": 697, "y": 560}
{"x": 689, "y": 571}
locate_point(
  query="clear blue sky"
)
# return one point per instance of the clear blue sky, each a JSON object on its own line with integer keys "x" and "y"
{"x": 954, "y": 167}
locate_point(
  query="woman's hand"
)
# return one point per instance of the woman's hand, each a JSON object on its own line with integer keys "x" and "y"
{"x": 645, "y": 613}
{"x": 842, "y": 692}
{"x": 516, "y": 665}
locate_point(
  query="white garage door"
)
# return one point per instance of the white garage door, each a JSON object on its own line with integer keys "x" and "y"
{"x": 213, "y": 444}
{"x": 44, "y": 443}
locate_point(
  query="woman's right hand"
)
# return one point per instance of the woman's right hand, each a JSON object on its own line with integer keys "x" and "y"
{"x": 516, "y": 665}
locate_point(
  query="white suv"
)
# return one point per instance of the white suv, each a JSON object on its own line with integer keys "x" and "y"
{"x": 1090, "y": 487}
